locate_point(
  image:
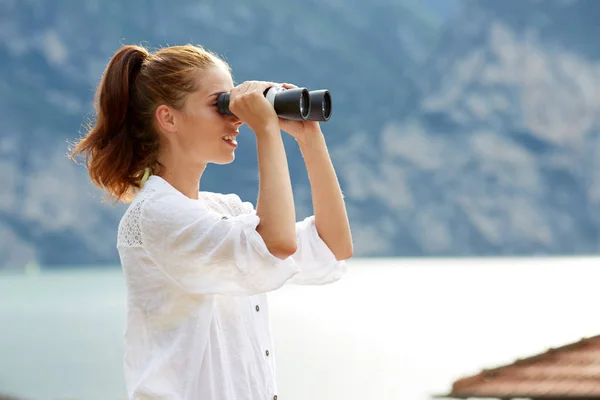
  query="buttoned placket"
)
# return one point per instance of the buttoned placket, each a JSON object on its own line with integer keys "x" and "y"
{"x": 267, "y": 353}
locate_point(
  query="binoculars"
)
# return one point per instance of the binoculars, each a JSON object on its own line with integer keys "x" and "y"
{"x": 297, "y": 104}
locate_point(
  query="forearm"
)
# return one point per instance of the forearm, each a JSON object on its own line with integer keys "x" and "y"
{"x": 331, "y": 219}
{"x": 275, "y": 204}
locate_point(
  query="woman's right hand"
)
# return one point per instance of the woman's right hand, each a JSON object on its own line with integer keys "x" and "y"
{"x": 275, "y": 203}
{"x": 247, "y": 101}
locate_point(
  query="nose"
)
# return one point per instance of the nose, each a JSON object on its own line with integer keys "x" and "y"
{"x": 235, "y": 120}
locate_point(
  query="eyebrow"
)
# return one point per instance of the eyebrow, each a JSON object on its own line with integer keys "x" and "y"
{"x": 214, "y": 94}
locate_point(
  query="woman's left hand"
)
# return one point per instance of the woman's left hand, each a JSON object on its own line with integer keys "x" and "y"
{"x": 298, "y": 129}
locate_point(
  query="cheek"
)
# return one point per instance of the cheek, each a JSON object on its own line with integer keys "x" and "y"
{"x": 202, "y": 127}
{"x": 206, "y": 117}
{"x": 198, "y": 121}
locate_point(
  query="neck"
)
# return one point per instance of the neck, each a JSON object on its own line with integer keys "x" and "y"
{"x": 184, "y": 178}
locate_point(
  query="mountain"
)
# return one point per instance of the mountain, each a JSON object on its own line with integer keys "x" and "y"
{"x": 500, "y": 156}
{"x": 52, "y": 56}
{"x": 476, "y": 135}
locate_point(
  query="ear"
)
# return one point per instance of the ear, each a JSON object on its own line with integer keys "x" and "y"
{"x": 165, "y": 119}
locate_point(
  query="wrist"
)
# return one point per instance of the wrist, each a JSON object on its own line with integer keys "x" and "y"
{"x": 311, "y": 140}
{"x": 267, "y": 128}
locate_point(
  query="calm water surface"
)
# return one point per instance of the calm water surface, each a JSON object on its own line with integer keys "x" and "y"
{"x": 391, "y": 329}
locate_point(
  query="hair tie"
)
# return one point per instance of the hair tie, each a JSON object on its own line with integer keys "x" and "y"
{"x": 146, "y": 176}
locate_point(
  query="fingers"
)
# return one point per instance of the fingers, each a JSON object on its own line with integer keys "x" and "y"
{"x": 252, "y": 91}
{"x": 257, "y": 86}
{"x": 289, "y": 86}
{"x": 252, "y": 86}
{"x": 249, "y": 91}
{"x": 247, "y": 101}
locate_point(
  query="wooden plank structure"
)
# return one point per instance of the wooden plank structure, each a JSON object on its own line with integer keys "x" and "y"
{"x": 570, "y": 372}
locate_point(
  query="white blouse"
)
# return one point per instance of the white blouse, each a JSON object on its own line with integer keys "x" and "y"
{"x": 197, "y": 274}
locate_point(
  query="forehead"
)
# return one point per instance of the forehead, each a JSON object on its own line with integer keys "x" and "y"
{"x": 215, "y": 79}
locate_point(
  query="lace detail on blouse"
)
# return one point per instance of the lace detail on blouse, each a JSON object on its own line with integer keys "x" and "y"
{"x": 130, "y": 232}
{"x": 223, "y": 204}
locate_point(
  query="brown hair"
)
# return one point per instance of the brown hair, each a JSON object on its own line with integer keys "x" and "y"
{"x": 123, "y": 142}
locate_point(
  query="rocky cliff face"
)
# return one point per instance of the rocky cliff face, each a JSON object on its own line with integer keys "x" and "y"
{"x": 478, "y": 137}
{"x": 500, "y": 155}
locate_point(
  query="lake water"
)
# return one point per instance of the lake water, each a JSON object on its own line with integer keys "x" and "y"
{"x": 391, "y": 329}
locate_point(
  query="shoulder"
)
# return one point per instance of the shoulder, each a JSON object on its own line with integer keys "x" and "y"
{"x": 158, "y": 203}
{"x": 152, "y": 207}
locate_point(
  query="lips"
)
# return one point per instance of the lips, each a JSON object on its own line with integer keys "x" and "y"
{"x": 230, "y": 139}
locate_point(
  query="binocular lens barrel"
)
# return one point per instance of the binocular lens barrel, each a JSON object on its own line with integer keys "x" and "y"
{"x": 296, "y": 104}
{"x": 223, "y": 104}
{"x": 289, "y": 103}
{"x": 320, "y": 105}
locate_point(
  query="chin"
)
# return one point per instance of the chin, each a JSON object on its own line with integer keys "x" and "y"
{"x": 225, "y": 160}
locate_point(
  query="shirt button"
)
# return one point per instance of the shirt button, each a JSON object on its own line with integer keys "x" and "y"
{"x": 275, "y": 397}
{"x": 267, "y": 353}
{"x": 257, "y": 308}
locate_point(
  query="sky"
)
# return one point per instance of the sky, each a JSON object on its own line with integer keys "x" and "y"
{"x": 441, "y": 9}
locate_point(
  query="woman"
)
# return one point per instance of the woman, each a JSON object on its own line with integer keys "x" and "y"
{"x": 198, "y": 265}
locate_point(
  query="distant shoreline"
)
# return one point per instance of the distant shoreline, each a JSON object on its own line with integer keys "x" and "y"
{"x": 7, "y": 397}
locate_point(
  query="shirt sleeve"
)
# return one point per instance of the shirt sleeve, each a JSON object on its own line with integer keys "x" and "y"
{"x": 318, "y": 265}
{"x": 205, "y": 252}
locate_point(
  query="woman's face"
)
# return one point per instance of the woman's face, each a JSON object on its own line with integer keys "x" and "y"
{"x": 201, "y": 134}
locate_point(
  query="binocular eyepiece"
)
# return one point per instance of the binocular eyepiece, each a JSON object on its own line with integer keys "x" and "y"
{"x": 297, "y": 104}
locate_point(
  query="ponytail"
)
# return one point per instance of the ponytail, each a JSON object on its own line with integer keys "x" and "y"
{"x": 116, "y": 147}
{"x": 121, "y": 148}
